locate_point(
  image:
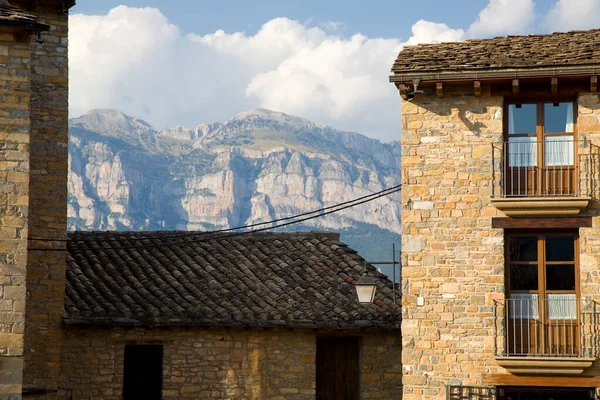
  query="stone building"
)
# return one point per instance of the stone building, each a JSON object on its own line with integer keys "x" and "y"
{"x": 33, "y": 193}
{"x": 501, "y": 219}
{"x": 257, "y": 316}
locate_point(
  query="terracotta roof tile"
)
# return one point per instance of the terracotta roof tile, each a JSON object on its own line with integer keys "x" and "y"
{"x": 573, "y": 48}
{"x": 302, "y": 280}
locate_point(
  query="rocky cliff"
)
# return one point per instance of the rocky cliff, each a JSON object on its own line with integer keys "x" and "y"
{"x": 259, "y": 166}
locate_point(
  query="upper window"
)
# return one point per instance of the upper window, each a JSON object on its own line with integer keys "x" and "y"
{"x": 541, "y": 149}
{"x": 538, "y": 119}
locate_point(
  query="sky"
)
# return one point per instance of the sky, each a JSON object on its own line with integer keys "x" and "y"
{"x": 187, "y": 62}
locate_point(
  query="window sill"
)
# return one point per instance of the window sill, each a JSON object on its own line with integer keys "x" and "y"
{"x": 541, "y": 206}
{"x": 545, "y": 365}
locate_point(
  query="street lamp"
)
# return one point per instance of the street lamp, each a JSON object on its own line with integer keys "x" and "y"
{"x": 365, "y": 288}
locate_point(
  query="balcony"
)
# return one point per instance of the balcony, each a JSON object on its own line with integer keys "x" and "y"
{"x": 554, "y": 177}
{"x": 558, "y": 335}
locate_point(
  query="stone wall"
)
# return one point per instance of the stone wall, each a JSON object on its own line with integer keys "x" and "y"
{"x": 588, "y": 127}
{"x": 14, "y": 200}
{"x": 47, "y": 202}
{"x": 212, "y": 363}
{"x": 450, "y": 254}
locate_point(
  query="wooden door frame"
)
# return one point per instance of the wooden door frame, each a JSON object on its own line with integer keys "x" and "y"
{"x": 540, "y": 134}
{"x": 541, "y": 270}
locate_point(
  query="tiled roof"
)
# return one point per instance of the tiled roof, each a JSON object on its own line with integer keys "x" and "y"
{"x": 301, "y": 280}
{"x": 575, "y": 48}
{"x": 15, "y": 17}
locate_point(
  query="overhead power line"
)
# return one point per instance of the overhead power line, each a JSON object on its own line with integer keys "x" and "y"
{"x": 295, "y": 219}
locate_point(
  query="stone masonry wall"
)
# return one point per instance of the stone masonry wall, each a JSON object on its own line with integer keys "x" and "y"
{"x": 48, "y": 203}
{"x": 14, "y": 200}
{"x": 215, "y": 363}
{"x": 450, "y": 254}
{"x": 588, "y": 127}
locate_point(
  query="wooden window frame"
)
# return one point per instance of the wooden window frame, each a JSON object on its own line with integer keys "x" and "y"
{"x": 539, "y": 134}
{"x": 540, "y": 180}
{"x": 541, "y": 263}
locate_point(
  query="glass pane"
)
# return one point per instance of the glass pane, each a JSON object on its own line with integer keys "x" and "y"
{"x": 523, "y": 248}
{"x": 522, "y": 118}
{"x": 523, "y": 277}
{"x": 558, "y": 117}
{"x": 560, "y": 277}
{"x": 523, "y": 306}
{"x": 560, "y": 248}
{"x": 522, "y": 152}
{"x": 558, "y": 150}
{"x": 562, "y": 306}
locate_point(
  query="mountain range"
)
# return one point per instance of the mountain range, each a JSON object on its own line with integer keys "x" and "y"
{"x": 259, "y": 166}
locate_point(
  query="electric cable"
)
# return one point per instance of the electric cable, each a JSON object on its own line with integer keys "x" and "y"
{"x": 330, "y": 210}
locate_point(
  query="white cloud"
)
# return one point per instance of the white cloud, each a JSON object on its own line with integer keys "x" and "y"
{"x": 431, "y": 32}
{"x": 503, "y": 17}
{"x": 573, "y": 14}
{"x": 135, "y": 60}
{"x": 331, "y": 25}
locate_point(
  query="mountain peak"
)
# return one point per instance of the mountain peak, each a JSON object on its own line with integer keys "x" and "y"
{"x": 273, "y": 116}
{"x": 111, "y": 121}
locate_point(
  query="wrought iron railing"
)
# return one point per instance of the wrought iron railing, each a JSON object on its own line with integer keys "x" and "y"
{"x": 554, "y": 167}
{"x": 559, "y": 326}
{"x": 470, "y": 393}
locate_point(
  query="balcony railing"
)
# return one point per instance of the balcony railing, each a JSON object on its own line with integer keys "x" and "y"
{"x": 552, "y": 168}
{"x": 558, "y": 327}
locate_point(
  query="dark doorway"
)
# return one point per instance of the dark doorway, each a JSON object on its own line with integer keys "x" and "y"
{"x": 528, "y": 393}
{"x": 142, "y": 376}
{"x": 338, "y": 369}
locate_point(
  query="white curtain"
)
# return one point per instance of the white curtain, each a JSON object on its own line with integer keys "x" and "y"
{"x": 522, "y": 152}
{"x": 523, "y": 306}
{"x": 562, "y": 306}
{"x": 511, "y": 119}
{"x": 569, "y": 126}
{"x": 559, "y": 150}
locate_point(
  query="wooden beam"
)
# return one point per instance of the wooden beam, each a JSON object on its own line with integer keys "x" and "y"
{"x": 593, "y": 83}
{"x": 561, "y": 381}
{"x": 542, "y": 223}
{"x": 554, "y": 86}
{"x": 403, "y": 92}
{"x": 477, "y": 88}
{"x": 439, "y": 89}
{"x": 515, "y": 86}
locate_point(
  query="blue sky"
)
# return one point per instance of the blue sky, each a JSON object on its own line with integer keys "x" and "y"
{"x": 374, "y": 18}
{"x": 192, "y": 61}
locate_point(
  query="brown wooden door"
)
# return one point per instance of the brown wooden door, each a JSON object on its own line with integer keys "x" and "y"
{"x": 338, "y": 369}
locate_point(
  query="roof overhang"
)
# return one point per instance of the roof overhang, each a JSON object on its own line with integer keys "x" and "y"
{"x": 491, "y": 74}
{"x": 23, "y": 25}
{"x": 61, "y": 6}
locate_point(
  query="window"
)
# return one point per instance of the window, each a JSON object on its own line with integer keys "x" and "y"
{"x": 541, "y": 148}
{"x": 142, "y": 376}
{"x": 542, "y": 267}
{"x": 542, "y": 299}
{"x": 549, "y": 124}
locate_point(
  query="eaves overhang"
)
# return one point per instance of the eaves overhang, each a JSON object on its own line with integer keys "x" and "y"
{"x": 493, "y": 74}
{"x": 23, "y": 25}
